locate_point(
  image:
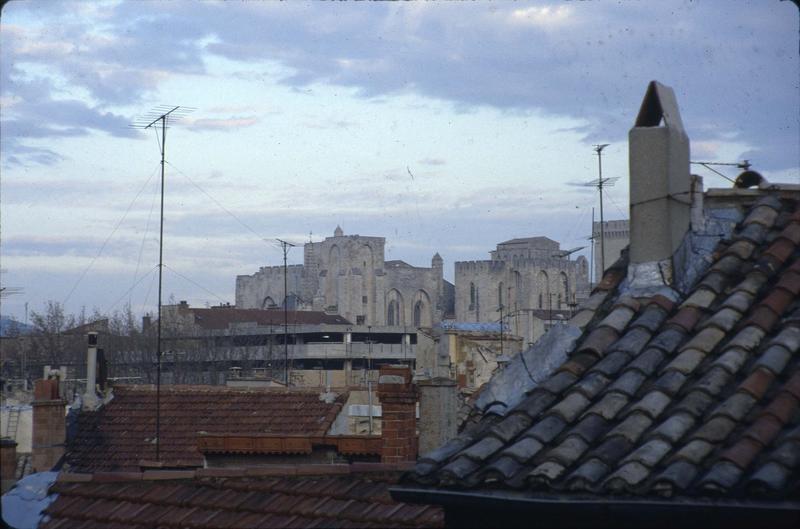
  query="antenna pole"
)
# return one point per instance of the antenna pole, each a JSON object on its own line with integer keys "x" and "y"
{"x": 152, "y": 119}
{"x": 285, "y": 246}
{"x": 591, "y": 258}
{"x": 599, "y": 150}
{"x": 160, "y": 271}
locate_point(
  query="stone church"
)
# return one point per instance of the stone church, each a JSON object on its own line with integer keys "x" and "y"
{"x": 530, "y": 277}
{"x": 348, "y": 275}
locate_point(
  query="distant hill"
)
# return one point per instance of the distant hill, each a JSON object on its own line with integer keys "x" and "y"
{"x": 7, "y": 324}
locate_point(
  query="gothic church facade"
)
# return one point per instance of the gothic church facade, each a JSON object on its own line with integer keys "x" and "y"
{"x": 348, "y": 275}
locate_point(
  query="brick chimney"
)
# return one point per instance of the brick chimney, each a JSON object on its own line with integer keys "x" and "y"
{"x": 660, "y": 187}
{"x": 49, "y": 425}
{"x": 398, "y": 397}
{"x": 8, "y": 464}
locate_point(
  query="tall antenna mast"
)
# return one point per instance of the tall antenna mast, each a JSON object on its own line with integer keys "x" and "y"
{"x": 160, "y": 114}
{"x": 285, "y": 246}
{"x": 591, "y": 263}
{"x": 600, "y": 183}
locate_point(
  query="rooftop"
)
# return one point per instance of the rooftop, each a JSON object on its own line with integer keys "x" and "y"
{"x": 122, "y": 433}
{"x": 289, "y": 496}
{"x": 686, "y": 393}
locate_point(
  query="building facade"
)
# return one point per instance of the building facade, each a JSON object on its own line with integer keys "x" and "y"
{"x": 348, "y": 275}
{"x": 616, "y": 236}
{"x": 525, "y": 277}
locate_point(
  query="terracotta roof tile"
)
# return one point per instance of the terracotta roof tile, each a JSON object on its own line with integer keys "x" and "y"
{"x": 765, "y": 429}
{"x": 764, "y": 215}
{"x": 674, "y": 428}
{"x": 611, "y": 278}
{"x": 663, "y": 302}
{"x": 670, "y": 382}
{"x": 762, "y": 317}
{"x": 598, "y": 340}
{"x": 724, "y": 319}
{"x": 686, "y": 318}
{"x": 647, "y": 362}
{"x": 757, "y": 383}
{"x": 755, "y": 233}
{"x": 742, "y": 249}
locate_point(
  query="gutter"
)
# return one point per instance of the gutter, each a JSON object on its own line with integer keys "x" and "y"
{"x": 591, "y": 512}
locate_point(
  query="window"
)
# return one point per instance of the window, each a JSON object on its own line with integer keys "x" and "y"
{"x": 500, "y": 294}
{"x": 359, "y": 320}
{"x": 417, "y": 313}
{"x": 391, "y": 314}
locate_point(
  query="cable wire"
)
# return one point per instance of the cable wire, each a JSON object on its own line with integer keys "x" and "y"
{"x": 223, "y": 208}
{"x": 108, "y": 310}
{"x": 198, "y": 285}
{"x": 72, "y": 290}
{"x": 144, "y": 237}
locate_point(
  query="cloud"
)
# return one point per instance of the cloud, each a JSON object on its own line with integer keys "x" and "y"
{"x": 330, "y": 124}
{"x": 231, "y": 123}
{"x": 541, "y": 16}
{"x": 742, "y": 76}
{"x": 432, "y": 161}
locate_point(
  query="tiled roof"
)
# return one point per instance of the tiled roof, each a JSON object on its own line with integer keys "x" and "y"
{"x": 222, "y": 317}
{"x": 698, "y": 395}
{"x": 228, "y": 498}
{"x": 122, "y": 432}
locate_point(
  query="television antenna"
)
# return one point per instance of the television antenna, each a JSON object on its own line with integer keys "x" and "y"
{"x": 160, "y": 115}
{"x": 9, "y": 291}
{"x": 744, "y": 165}
{"x": 600, "y": 183}
{"x": 567, "y": 253}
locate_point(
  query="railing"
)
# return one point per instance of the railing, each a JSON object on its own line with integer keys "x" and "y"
{"x": 353, "y": 350}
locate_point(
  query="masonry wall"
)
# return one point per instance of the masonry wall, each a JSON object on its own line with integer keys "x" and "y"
{"x": 617, "y": 237}
{"x": 520, "y": 284}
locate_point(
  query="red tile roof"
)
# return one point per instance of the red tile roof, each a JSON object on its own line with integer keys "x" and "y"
{"x": 312, "y": 496}
{"x": 122, "y": 433}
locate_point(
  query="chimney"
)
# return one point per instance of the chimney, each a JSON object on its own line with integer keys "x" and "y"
{"x": 8, "y": 463}
{"x": 90, "y": 396}
{"x": 398, "y": 397}
{"x": 438, "y": 412}
{"x": 49, "y": 425}
{"x": 147, "y": 321}
{"x": 660, "y": 187}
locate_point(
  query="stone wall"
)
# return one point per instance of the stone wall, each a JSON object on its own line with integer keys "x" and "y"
{"x": 617, "y": 236}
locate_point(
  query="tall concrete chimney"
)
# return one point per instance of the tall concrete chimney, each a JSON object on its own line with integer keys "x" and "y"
{"x": 49, "y": 425}
{"x": 90, "y": 396}
{"x": 438, "y": 412}
{"x": 398, "y": 396}
{"x": 660, "y": 187}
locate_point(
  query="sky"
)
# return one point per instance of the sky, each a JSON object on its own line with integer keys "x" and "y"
{"x": 442, "y": 126}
